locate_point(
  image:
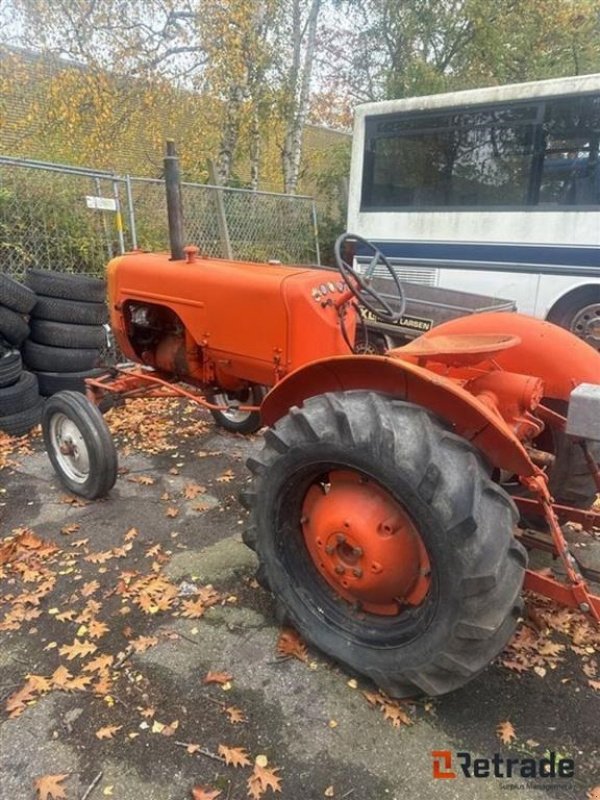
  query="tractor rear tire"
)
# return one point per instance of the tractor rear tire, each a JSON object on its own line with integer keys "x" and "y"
{"x": 234, "y": 421}
{"x": 464, "y": 520}
{"x": 79, "y": 445}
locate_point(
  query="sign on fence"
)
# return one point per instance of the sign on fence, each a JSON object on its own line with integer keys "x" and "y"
{"x": 101, "y": 203}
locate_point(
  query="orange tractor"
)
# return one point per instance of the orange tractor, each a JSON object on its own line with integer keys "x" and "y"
{"x": 396, "y": 497}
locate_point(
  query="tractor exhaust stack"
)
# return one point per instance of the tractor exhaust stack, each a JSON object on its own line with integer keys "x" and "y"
{"x": 174, "y": 202}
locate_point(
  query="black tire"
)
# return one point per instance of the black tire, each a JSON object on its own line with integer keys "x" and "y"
{"x": 15, "y": 296}
{"x": 11, "y": 367}
{"x": 570, "y": 481}
{"x": 23, "y": 421}
{"x": 41, "y": 358}
{"x": 70, "y": 419}
{"x": 465, "y": 521}
{"x": 78, "y": 313}
{"x": 66, "y": 285}
{"x": 20, "y": 396}
{"x": 64, "y": 334}
{"x": 52, "y": 382}
{"x": 235, "y": 421}
{"x": 12, "y": 326}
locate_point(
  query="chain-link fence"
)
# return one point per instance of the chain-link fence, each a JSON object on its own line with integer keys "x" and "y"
{"x": 256, "y": 226}
{"x": 74, "y": 219}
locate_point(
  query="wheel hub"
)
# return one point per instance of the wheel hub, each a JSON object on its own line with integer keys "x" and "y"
{"x": 586, "y": 324}
{"x": 364, "y": 544}
{"x": 70, "y": 447}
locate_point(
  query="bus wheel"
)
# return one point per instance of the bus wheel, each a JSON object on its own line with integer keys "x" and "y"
{"x": 585, "y": 323}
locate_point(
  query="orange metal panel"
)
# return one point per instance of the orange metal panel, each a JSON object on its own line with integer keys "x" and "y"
{"x": 470, "y": 418}
{"x": 252, "y": 319}
{"x": 546, "y": 351}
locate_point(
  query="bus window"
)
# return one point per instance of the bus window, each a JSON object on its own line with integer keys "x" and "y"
{"x": 571, "y": 131}
{"x": 469, "y": 159}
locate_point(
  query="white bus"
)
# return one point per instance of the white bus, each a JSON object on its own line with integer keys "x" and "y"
{"x": 494, "y": 191}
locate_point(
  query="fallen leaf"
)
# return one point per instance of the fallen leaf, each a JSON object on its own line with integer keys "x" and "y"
{"x": 226, "y": 477}
{"x": 217, "y": 677}
{"x": 193, "y": 609}
{"x": 47, "y": 787}
{"x": 192, "y": 490}
{"x": 595, "y": 685}
{"x": 108, "y": 732}
{"x": 77, "y": 650}
{"x": 234, "y": 756}
{"x": 506, "y": 732}
{"x": 97, "y": 629}
{"x": 329, "y": 792}
{"x": 236, "y": 715}
{"x": 73, "y": 528}
{"x": 171, "y": 512}
{"x": 143, "y": 643}
{"x": 204, "y": 793}
{"x": 66, "y": 616}
{"x": 593, "y": 793}
{"x": 393, "y": 711}
{"x": 61, "y": 678}
{"x": 261, "y": 780}
{"x": 290, "y": 645}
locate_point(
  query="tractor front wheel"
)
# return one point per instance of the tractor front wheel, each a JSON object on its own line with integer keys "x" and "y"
{"x": 233, "y": 419}
{"x": 384, "y": 541}
{"x": 79, "y": 445}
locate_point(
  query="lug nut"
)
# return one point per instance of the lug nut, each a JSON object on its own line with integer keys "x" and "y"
{"x": 340, "y": 538}
{"x": 357, "y": 551}
{"x": 339, "y": 569}
{"x": 585, "y": 607}
{"x": 357, "y": 572}
{"x": 330, "y": 549}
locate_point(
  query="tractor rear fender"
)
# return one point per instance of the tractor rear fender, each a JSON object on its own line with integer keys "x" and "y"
{"x": 405, "y": 381}
{"x": 546, "y": 351}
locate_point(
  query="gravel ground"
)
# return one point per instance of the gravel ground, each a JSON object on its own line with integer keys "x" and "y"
{"x": 177, "y": 489}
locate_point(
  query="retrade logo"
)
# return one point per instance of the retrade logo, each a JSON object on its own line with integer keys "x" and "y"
{"x": 449, "y": 765}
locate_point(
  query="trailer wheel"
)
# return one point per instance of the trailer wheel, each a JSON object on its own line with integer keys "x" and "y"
{"x": 79, "y": 445}
{"x": 233, "y": 419}
{"x": 384, "y": 542}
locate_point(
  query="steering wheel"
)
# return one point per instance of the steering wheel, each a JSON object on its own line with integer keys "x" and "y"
{"x": 360, "y": 284}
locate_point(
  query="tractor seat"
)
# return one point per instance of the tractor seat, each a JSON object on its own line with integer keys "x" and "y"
{"x": 457, "y": 349}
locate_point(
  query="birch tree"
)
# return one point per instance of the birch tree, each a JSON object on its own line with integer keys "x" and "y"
{"x": 297, "y": 83}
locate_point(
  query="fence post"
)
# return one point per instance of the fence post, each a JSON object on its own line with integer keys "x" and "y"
{"x": 316, "y": 232}
{"x": 131, "y": 210}
{"x": 118, "y": 217}
{"x": 107, "y": 236}
{"x": 220, "y": 209}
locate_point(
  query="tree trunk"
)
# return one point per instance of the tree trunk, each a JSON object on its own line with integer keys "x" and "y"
{"x": 230, "y": 134}
{"x": 255, "y": 149}
{"x": 299, "y": 90}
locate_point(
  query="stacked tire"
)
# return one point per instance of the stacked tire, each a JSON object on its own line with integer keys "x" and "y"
{"x": 20, "y": 401}
{"x": 67, "y": 330}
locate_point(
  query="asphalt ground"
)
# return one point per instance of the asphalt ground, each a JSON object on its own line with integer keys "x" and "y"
{"x": 84, "y": 576}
